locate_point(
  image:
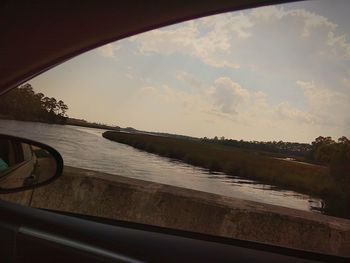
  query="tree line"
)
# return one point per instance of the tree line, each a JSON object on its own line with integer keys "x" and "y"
{"x": 289, "y": 148}
{"x": 323, "y": 150}
{"x": 335, "y": 154}
{"x": 23, "y": 103}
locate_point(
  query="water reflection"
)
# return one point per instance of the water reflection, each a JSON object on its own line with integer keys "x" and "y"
{"x": 86, "y": 148}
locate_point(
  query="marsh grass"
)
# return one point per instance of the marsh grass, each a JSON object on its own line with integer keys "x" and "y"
{"x": 305, "y": 178}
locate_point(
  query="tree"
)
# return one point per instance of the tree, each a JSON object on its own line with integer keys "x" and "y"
{"x": 23, "y": 103}
{"x": 62, "y": 108}
{"x": 320, "y": 140}
{"x": 340, "y": 161}
{"x": 335, "y": 154}
{"x": 343, "y": 140}
{"x": 323, "y": 149}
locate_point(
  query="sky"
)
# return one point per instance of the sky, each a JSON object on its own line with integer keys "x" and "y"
{"x": 272, "y": 73}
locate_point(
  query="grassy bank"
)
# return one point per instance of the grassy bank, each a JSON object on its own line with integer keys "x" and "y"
{"x": 310, "y": 179}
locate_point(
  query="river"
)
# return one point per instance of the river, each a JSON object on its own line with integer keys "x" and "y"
{"x": 86, "y": 148}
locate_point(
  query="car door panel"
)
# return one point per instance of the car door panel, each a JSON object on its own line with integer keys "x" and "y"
{"x": 32, "y": 235}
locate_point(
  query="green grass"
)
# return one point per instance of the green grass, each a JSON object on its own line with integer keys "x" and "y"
{"x": 255, "y": 165}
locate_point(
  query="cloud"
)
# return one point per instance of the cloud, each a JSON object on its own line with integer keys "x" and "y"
{"x": 221, "y": 40}
{"x": 318, "y": 97}
{"x": 294, "y": 65}
{"x": 308, "y": 21}
{"x": 226, "y": 95}
{"x": 278, "y": 42}
{"x": 330, "y": 107}
{"x": 187, "y": 39}
{"x": 227, "y": 99}
{"x": 190, "y": 80}
{"x": 286, "y": 111}
{"x": 109, "y": 50}
{"x": 293, "y": 43}
{"x": 310, "y": 24}
{"x": 339, "y": 44}
{"x": 148, "y": 89}
{"x": 234, "y": 109}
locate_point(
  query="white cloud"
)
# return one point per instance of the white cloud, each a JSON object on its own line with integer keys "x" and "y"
{"x": 226, "y": 99}
{"x": 210, "y": 48}
{"x": 318, "y": 97}
{"x": 286, "y": 111}
{"x": 109, "y": 50}
{"x": 330, "y": 107}
{"x": 339, "y": 44}
{"x": 226, "y": 95}
{"x": 220, "y": 40}
{"x": 294, "y": 43}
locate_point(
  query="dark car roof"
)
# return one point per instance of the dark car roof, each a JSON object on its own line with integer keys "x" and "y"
{"x": 37, "y": 35}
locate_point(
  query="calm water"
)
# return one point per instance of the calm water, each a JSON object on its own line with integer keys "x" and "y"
{"x": 86, "y": 148}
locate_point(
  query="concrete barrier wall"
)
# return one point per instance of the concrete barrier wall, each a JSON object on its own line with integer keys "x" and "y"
{"x": 93, "y": 193}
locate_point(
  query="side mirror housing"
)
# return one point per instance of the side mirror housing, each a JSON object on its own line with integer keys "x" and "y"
{"x": 26, "y": 164}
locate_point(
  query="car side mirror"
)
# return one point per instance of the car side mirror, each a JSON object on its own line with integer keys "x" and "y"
{"x": 26, "y": 164}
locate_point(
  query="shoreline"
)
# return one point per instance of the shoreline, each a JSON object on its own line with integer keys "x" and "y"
{"x": 87, "y": 125}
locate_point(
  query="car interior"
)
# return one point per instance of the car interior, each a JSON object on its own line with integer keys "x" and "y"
{"x": 36, "y": 37}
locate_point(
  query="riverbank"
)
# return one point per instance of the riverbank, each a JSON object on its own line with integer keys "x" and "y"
{"x": 84, "y": 123}
{"x": 68, "y": 121}
{"x": 233, "y": 161}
